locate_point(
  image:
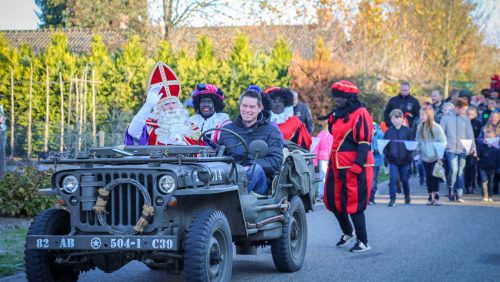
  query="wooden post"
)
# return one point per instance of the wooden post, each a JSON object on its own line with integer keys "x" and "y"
{"x": 80, "y": 120}
{"x": 3, "y": 163}
{"x": 30, "y": 117}
{"x": 69, "y": 97}
{"x": 47, "y": 101}
{"x": 85, "y": 98}
{"x": 12, "y": 113}
{"x": 101, "y": 138}
{"x": 77, "y": 113}
{"x": 93, "y": 109}
{"x": 61, "y": 87}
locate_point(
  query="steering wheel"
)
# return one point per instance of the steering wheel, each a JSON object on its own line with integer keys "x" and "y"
{"x": 219, "y": 147}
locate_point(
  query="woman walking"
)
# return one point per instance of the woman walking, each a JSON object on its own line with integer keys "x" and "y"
{"x": 350, "y": 169}
{"x": 428, "y": 133}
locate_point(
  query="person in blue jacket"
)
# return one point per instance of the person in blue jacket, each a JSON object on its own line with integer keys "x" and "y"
{"x": 379, "y": 159}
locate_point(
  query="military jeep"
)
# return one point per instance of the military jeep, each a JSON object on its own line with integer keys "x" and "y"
{"x": 176, "y": 208}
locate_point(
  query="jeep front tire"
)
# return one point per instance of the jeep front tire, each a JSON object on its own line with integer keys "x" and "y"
{"x": 40, "y": 265}
{"x": 208, "y": 249}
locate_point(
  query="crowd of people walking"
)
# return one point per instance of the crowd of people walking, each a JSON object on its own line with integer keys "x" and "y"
{"x": 453, "y": 141}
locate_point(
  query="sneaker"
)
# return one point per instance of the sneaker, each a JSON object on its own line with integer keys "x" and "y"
{"x": 344, "y": 240}
{"x": 372, "y": 202}
{"x": 437, "y": 203}
{"x": 490, "y": 200}
{"x": 407, "y": 199}
{"x": 360, "y": 247}
{"x": 430, "y": 203}
{"x": 392, "y": 203}
{"x": 485, "y": 199}
{"x": 460, "y": 200}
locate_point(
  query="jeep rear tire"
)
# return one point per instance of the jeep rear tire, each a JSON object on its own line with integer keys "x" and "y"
{"x": 40, "y": 265}
{"x": 208, "y": 249}
{"x": 289, "y": 250}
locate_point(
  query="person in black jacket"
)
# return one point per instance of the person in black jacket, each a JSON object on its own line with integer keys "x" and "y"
{"x": 303, "y": 112}
{"x": 405, "y": 103}
{"x": 397, "y": 156}
{"x": 470, "y": 172}
{"x": 489, "y": 163}
{"x": 253, "y": 124}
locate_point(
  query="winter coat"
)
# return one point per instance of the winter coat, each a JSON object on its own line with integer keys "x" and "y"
{"x": 407, "y": 104}
{"x": 438, "y": 112}
{"x": 476, "y": 127}
{"x": 303, "y": 112}
{"x": 455, "y": 128}
{"x": 395, "y": 152}
{"x": 489, "y": 156}
{"x": 261, "y": 130}
{"x": 324, "y": 147}
{"x": 426, "y": 147}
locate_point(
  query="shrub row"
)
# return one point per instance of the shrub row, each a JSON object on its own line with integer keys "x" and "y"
{"x": 19, "y": 192}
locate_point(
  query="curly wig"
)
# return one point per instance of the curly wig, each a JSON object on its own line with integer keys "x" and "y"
{"x": 285, "y": 93}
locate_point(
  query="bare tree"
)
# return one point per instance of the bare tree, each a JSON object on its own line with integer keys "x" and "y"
{"x": 179, "y": 12}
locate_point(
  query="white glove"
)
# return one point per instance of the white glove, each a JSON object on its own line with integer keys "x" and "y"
{"x": 139, "y": 120}
{"x": 153, "y": 96}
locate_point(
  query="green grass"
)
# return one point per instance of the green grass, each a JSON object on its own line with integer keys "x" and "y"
{"x": 12, "y": 251}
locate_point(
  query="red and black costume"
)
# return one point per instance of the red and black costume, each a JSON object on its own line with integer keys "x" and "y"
{"x": 350, "y": 172}
{"x": 291, "y": 127}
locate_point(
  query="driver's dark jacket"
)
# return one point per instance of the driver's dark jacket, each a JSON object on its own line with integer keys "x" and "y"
{"x": 261, "y": 130}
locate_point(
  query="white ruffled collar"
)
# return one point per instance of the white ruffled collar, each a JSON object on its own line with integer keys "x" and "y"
{"x": 283, "y": 117}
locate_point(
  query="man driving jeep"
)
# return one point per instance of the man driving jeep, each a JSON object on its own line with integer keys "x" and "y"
{"x": 253, "y": 124}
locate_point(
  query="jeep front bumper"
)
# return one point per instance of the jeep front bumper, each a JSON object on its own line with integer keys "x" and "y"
{"x": 102, "y": 242}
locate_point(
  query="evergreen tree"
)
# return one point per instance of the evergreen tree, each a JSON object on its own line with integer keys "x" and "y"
{"x": 207, "y": 65}
{"x": 241, "y": 63}
{"x": 52, "y": 13}
{"x": 128, "y": 86}
{"x": 281, "y": 56}
{"x": 165, "y": 54}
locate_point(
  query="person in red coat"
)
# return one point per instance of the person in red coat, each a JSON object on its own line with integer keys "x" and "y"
{"x": 350, "y": 170}
{"x": 291, "y": 127}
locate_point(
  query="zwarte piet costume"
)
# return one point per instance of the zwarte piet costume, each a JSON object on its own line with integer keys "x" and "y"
{"x": 291, "y": 127}
{"x": 350, "y": 172}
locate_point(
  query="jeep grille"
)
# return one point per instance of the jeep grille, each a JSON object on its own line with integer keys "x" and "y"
{"x": 125, "y": 201}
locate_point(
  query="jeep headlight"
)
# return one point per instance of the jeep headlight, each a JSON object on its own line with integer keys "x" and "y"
{"x": 166, "y": 184}
{"x": 70, "y": 184}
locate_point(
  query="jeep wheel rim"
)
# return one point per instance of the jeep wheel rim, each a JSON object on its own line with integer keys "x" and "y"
{"x": 295, "y": 236}
{"x": 216, "y": 256}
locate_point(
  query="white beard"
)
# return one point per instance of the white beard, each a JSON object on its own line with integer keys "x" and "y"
{"x": 173, "y": 126}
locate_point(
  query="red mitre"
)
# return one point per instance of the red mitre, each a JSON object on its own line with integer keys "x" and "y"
{"x": 163, "y": 75}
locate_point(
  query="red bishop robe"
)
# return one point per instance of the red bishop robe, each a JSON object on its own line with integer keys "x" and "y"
{"x": 293, "y": 129}
{"x": 349, "y": 175}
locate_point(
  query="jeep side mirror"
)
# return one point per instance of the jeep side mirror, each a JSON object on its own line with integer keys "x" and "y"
{"x": 258, "y": 149}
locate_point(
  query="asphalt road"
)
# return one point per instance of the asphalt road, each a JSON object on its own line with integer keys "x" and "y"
{"x": 454, "y": 242}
